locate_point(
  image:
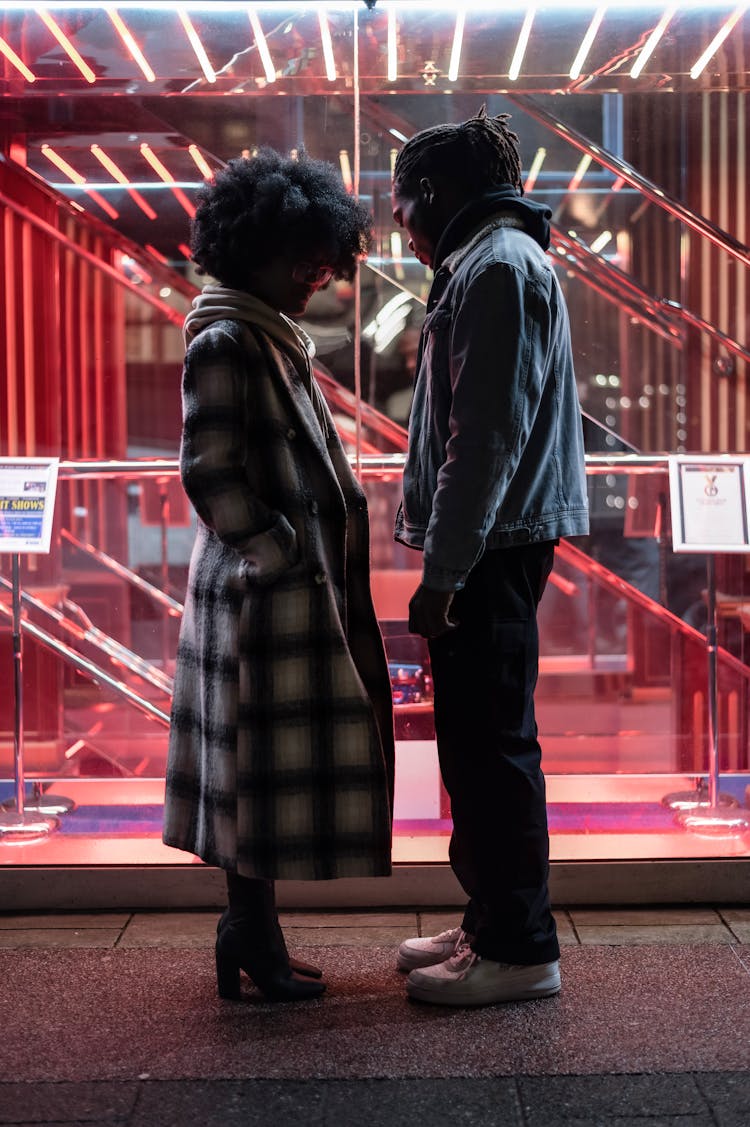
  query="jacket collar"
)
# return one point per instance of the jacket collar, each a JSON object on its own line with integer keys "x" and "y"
{"x": 503, "y": 199}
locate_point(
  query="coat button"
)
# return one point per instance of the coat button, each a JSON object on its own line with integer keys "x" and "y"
{"x": 291, "y": 433}
{"x": 320, "y": 577}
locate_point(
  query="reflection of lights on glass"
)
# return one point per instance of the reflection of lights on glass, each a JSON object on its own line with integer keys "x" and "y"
{"x": 201, "y": 162}
{"x": 614, "y": 381}
{"x": 619, "y": 502}
{"x": 520, "y": 51}
{"x": 632, "y": 502}
{"x": 680, "y": 400}
{"x": 663, "y": 389}
{"x": 610, "y": 402}
{"x": 644, "y": 401}
{"x": 682, "y": 435}
{"x": 625, "y": 402}
{"x": 680, "y": 389}
{"x": 648, "y": 389}
{"x": 611, "y": 480}
{"x": 165, "y": 291}
{"x": 681, "y": 417}
{"x": 610, "y": 420}
{"x": 600, "y": 380}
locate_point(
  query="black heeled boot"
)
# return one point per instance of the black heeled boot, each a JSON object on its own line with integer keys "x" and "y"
{"x": 249, "y": 939}
{"x": 299, "y": 966}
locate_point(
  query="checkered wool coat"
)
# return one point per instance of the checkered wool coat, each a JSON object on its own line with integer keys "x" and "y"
{"x": 281, "y": 744}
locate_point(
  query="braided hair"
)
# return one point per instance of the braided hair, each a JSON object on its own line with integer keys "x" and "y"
{"x": 480, "y": 153}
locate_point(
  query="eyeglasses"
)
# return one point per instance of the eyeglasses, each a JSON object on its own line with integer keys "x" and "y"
{"x": 312, "y": 275}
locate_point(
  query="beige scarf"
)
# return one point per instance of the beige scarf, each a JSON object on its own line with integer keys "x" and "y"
{"x": 218, "y": 303}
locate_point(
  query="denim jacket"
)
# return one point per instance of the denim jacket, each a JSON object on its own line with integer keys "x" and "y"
{"x": 496, "y": 455}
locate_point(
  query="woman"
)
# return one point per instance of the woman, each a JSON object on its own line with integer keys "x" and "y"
{"x": 281, "y": 747}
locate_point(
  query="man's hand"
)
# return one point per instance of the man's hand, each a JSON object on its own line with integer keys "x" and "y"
{"x": 428, "y": 612}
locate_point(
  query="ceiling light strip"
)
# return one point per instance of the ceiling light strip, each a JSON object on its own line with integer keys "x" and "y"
{"x": 103, "y": 204}
{"x": 325, "y": 37}
{"x": 262, "y": 45}
{"x": 16, "y": 60}
{"x": 77, "y": 178}
{"x": 127, "y": 38}
{"x": 701, "y": 64}
{"x": 458, "y": 38}
{"x": 196, "y": 44}
{"x": 201, "y": 162}
{"x": 523, "y": 39}
{"x": 588, "y": 39}
{"x": 164, "y": 174}
{"x": 652, "y": 41}
{"x": 392, "y": 44}
{"x": 580, "y": 172}
{"x": 535, "y": 169}
{"x": 115, "y": 171}
{"x": 66, "y": 45}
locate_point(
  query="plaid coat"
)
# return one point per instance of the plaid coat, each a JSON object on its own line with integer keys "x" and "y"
{"x": 281, "y": 745}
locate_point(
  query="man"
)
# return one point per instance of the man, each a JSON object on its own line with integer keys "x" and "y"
{"x": 494, "y": 476}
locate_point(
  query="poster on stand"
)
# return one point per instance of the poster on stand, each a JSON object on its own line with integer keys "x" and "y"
{"x": 27, "y": 503}
{"x": 709, "y": 501}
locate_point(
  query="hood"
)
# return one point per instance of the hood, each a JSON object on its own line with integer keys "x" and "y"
{"x": 534, "y": 216}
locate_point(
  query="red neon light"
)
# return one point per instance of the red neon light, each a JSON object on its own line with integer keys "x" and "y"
{"x": 131, "y": 44}
{"x": 18, "y": 63}
{"x": 195, "y": 43}
{"x": 163, "y": 172}
{"x": 66, "y": 45}
{"x": 62, "y": 164}
{"x": 120, "y": 176}
{"x": 103, "y": 204}
{"x": 183, "y": 249}
{"x": 157, "y": 254}
{"x": 201, "y": 162}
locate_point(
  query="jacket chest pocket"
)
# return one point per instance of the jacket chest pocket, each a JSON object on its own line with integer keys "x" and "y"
{"x": 436, "y": 342}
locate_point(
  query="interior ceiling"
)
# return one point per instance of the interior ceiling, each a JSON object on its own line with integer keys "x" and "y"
{"x": 93, "y": 85}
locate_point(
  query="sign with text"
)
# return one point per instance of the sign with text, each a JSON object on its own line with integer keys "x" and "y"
{"x": 27, "y": 503}
{"x": 709, "y": 500}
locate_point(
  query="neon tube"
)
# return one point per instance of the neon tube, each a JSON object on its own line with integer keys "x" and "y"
{"x": 392, "y": 45}
{"x": 201, "y": 162}
{"x": 523, "y": 39}
{"x": 167, "y": 177}
{"x": 63, "y": 165}
{"x": 458, "y": 38}
{"x": 325, "y": 35}
{"x": 195, "y": 43}
{"x": 580, "y": 172}
{"x": 66, "y": 45}
{"x": 651, "y": 42}
{"x": 262, "y": 45}
{"x": 588, "y": 39}
{"x": 535, "y": 169}
{"x": 346, "y": 170}
{"x": 698, "y": 68}
{"x": 131, "y": 44}
{"x": 16, "y": 60}
{"x": 120, "y": 176}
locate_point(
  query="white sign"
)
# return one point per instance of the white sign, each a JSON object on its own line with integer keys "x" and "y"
{"x": 27, "y": 503}
{"x": 709, "y": 500}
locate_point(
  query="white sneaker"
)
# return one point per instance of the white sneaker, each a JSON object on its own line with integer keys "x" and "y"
{"x": 469, "y": 980}
{"x": 431, "y": 949}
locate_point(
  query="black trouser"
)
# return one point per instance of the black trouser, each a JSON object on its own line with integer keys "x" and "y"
{"x": 485, "y": 673}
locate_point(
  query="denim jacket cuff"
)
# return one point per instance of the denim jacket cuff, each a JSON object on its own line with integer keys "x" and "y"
{"x": 442, "y": 578}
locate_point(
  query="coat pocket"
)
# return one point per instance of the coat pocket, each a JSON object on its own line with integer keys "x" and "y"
{"x": 271, "y": 553}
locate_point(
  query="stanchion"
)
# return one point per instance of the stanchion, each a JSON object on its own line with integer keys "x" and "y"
{"x": 21, "y": 825}
{"x": 720, "y": 815}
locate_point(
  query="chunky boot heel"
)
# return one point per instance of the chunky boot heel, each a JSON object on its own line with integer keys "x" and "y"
{"x": 269, "y": 970}
{"x": 296, "y": 965}
{"x": 227, "y": 976}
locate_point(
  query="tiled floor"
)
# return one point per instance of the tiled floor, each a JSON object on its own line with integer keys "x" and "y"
{"x": 111, "y": 1018}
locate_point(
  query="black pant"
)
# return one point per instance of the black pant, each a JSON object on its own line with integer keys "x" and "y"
{"x": 485, "y": 673}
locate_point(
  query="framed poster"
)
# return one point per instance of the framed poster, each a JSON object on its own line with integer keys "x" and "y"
{"x": 709, "y": 501}
{"x": 27, "y": 503}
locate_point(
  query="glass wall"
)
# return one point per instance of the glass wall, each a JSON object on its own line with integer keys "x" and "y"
{"x": 632, "y": 124}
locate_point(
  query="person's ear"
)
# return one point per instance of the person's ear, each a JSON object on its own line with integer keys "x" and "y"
{"x": 427, "y": 188}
